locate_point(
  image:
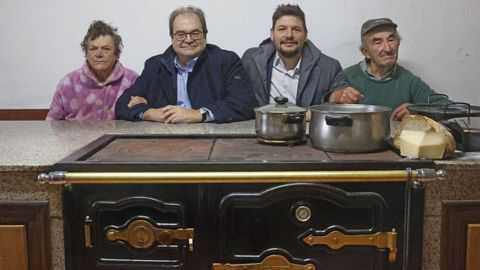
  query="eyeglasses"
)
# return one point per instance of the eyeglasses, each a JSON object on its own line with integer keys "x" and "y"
{"x": 194, "y": 35}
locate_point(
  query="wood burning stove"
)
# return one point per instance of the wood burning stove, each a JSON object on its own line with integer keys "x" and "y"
{"x": 129, "y": 206}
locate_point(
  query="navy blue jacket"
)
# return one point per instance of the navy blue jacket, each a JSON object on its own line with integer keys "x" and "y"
{"x": 218, "y": 82}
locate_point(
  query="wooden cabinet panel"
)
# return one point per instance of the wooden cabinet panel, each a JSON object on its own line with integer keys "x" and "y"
{"x": 473, "y": 247}
{"x": 460, "y": 221}
{"x": 23, "y": 114}
{"x": 13, "y": 247}
{"x": 32, "y": 218}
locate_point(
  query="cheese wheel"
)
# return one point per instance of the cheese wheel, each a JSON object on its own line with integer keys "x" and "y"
{"x": 421, "y": 137}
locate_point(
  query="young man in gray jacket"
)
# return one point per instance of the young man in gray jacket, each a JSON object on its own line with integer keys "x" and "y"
{"x": 288, "y": 64}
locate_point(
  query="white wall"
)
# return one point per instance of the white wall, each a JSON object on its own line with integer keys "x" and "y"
{"x": 39, "y": 41}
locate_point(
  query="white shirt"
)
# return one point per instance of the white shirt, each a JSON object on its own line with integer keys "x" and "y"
{"x": 284, "y": 82}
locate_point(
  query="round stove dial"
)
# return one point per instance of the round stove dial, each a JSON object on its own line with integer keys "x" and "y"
{"x": 303, "y": 213}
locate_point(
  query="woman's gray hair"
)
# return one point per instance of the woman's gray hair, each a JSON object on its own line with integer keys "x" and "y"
{"x": 100, "y": 28}
{"x": 186, "y": 10}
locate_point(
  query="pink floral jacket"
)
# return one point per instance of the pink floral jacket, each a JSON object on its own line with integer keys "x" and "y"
{"x": 80, "y": 96}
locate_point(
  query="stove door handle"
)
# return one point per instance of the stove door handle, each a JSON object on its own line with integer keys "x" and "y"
{"x": 336, "y": 240}
{"x": 141, "y": 234}
{"x": 270, "y": 262}
{"x": 87, "y": 232}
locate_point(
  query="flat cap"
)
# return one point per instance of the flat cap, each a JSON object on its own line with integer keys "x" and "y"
{"x": 374, "y": 23}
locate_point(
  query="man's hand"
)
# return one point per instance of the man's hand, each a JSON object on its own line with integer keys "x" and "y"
{"x": 173, "y": 114}
{"x": 347, "y": 95}
{"x": 400, "y": 112}
{"x": 176, "y": 114}
{"x": 155, "y": 115}
{"x": 135, "y": 100}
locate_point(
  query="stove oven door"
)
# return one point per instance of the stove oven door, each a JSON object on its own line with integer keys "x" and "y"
{"x": 129, "y": 227}
{"x": 310, "y": 226}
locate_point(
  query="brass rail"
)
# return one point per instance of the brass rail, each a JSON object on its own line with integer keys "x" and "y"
{"x": 237, "y": 177}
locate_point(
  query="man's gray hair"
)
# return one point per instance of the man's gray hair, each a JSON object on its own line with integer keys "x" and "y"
{"x": 190, "y": 10}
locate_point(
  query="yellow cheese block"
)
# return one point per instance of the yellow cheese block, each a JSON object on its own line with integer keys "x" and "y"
{"x": 421, "y": 137}
{"x": 422, "y": 144}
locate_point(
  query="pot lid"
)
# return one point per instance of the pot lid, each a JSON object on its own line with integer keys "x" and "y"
{"x": 350, "y": 108}
{"x": 281, "y": 105}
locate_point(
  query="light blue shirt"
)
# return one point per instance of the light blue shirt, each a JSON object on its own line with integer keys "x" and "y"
{"x": 183, "y": 100}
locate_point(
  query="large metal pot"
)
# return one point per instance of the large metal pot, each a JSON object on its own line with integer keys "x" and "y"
{"x": 280, "y": 123}
{"x": 349, "y": 128}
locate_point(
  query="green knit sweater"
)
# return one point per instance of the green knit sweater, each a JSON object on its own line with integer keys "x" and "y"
{"x": 403, "y": 87}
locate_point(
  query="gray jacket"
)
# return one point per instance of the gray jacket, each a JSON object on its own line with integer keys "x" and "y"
{"x": 319, "y": 73}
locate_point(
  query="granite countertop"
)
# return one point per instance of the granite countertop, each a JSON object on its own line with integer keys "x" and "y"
{"x": 36, "y": 145}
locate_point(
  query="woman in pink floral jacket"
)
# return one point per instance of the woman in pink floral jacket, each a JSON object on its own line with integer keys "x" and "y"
{"x": 90, "y": 92}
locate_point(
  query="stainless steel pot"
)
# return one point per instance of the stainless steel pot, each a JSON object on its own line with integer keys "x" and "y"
{"x": 349, "y": 128}
{"x": 280, "y": 123}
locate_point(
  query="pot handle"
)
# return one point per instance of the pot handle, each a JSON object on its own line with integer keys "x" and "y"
{"x": 339, "y": 120}
{"x": 293, "y": 119}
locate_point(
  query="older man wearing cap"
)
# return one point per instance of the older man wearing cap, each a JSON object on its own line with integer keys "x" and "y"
{"x": 378, "y": 78}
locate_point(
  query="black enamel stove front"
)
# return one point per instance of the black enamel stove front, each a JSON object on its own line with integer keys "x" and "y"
{"x": 242, "y": 224}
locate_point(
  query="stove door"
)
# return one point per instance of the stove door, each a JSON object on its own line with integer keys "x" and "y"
{"x": 307, "y": 226}
{"x": 130, "y": 228}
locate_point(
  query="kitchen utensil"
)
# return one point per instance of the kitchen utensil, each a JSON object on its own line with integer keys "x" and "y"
{"x": 280, "y": 123}
{"x": 349, "y": 128}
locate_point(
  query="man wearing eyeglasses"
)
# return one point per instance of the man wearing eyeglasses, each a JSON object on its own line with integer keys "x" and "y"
{"x": 191, "y": 82}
